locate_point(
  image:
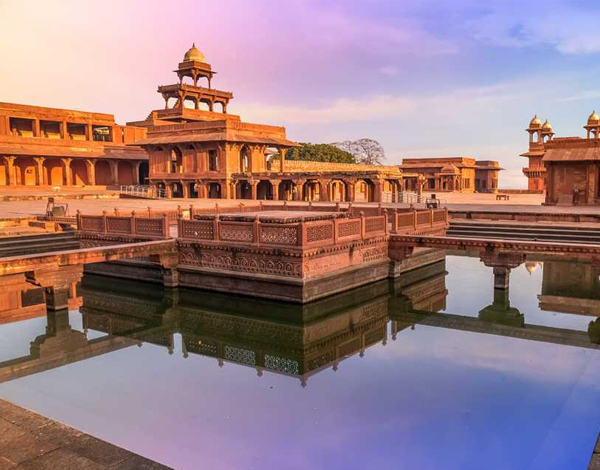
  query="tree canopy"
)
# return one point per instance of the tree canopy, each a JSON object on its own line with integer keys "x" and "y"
{"x": 366, "y": 151}
{"x": 319, "y": 153}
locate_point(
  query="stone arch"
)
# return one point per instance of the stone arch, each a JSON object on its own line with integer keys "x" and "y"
{"x": 176, "y": 189}
{"x": 264, "y": 190}
{"x": 287, "y": 189}
{"x": 143, "y": 172}
{"x": 125, "y": 173}
{"x": 338, "y": 191}
{"x": 25, "y": 169}
{"x": 54, "y": 174}
{"x": 364, "y": 190}
{"x": 243, "y": 190}
{"x": 311, "y": 191}
{"x": 79, "y": 175}
{"x": 214, "y": 191}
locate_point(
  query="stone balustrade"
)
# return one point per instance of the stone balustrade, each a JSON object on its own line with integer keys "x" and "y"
{"x": 155, "y": 227}
{"x": 415, "y": 222}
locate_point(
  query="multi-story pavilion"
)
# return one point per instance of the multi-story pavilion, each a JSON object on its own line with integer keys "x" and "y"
{"x": 535, "y": 172}
{"x": 451, "y": 174}
{"x": 210, "y": 153}
{"x": 57, "y": 147}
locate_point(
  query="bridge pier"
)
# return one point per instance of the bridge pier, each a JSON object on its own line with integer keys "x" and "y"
{"x": 502, "y": 263}
{"x": 58, "y": 283}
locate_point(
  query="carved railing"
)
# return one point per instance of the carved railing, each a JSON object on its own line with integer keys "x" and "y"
{"x": 313, "y": 233}
{"x": 412, "y": 221}
{"x": 133, "y": 225}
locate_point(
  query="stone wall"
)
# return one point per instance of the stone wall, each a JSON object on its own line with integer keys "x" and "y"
{"x": 300, "y": 166}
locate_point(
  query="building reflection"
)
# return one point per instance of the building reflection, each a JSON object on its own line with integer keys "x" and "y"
{"x": 293, "y": 340}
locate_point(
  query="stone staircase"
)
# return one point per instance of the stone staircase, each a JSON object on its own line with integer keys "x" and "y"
{"x": 39, "y": 243}
{"x": 585, "y": 234}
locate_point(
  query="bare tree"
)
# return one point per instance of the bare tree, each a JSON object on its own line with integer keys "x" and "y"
{"x": 366, "y": 151}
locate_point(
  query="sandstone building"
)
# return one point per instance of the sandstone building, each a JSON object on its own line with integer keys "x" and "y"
{"x": 195, "y": 152}
{"x": 565, "y": 167}
{"x": 57, "y": 147}
{"x": 451, "y": 174}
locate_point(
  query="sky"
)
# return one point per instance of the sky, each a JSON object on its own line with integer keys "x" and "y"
{"x": 423, "y": 77}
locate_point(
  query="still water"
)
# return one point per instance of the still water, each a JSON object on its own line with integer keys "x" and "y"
{"x": 438, "y": 372}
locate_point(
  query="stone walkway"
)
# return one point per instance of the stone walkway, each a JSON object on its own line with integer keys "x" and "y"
{"x": 29, "y": 441}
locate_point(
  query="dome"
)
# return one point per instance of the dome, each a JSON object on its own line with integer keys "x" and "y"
{"x": 194, "y": 54}
{"x": 535, "y": 122}
{"x": 547, "y": 126}
{"x": 594, "y": 118}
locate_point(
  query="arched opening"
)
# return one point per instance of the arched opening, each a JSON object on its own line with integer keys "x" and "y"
{"x": 270, "y": 163}
{"x": 244, "y": 159}
{"x": 25, "y": 170}
{"x": 176, "y": 190}
{"x": 79, "y": 173}
{"x": 214, "y": 191}
{"x": 125, "y": 173}
{"x": 143, "y": 173}
{"x": 264, "y": 190}
{"x": 53, "y": 172}
{"x": 287, "y": 190}
{"x": 243, "y": 190}
{"x": 311, "y": 191}
{"x": 101, "y": 172}
{"x": 364, "y": 190}
{"x": 176, "y": 161}
{"x": 337, "y": 191}
{"x": 193, "y": 190}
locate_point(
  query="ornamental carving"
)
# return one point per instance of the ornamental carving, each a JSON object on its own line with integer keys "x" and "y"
{"x": 375, "y": 254}
{"x": 315, "y": 233}
{"x": 279, "y": 235}
{"x": 238, "y": 233}
{"x": 348, "y": 229}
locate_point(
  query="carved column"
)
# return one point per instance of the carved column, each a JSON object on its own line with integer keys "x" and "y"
{"x": 275, "y": 184}
{"x": 57, "y": 284}
{"x": 67, "y": 176}
{"x": 114, "y": 171}
{"x": 324, "y": 190}
{"x": 39, "y": 170}
{"x": 185, "y": 189}
{"x": 11, "y": 177}
{"x": 253, "y": 190}
{"x": 351, "y": 186}
{"x": 90, "y": 165}
{"x": 377, "y": 191}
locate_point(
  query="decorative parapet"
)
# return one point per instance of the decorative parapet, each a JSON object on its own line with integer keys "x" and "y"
{"x": 134, "y": 226}
{"x": 420, "y": 222}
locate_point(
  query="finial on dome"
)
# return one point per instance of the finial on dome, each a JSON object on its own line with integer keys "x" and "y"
{"x": 535, "y": 122}
{"x": 594, "y": 118}
{"x": 194, "y": 54}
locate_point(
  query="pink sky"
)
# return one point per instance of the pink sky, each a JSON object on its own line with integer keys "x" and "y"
{"x": 425, "y": 78}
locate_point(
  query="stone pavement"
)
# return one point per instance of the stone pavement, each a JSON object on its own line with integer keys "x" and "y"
{"x": 29, "y": 441}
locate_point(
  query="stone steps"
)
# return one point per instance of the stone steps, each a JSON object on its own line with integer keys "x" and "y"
{"x": 531, "y": 232}
{"x": 39, "y": 243}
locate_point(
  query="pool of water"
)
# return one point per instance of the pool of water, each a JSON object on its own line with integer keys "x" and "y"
{"x": 437, "y": 371}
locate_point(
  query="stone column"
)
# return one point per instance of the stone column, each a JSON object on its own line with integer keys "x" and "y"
{"x": 57, "y": 284}
{"x": 351, "y": 186}
{"x": 39, "y": 170}
{"x": 136, "y": 172}
{"x": 253, "y": 190}
{"x": 37, "y": 131}
{"x": 114, "y": 172}
{"x": 275, "y": 184}
{"x": 67, "y": 176}
{"x": 91, "y": 172}
{"x": 11, "y": 177}
{"x": 324, "y": 190}
{"x": 377, "y": 191}
{"x": 185, "y": 189}
{"x": 502, "y": 263}
{"x": 282, "y": 160}
{"x": 88, "y": 132}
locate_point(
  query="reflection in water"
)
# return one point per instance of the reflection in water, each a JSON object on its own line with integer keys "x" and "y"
{"x": 289, "y": 344}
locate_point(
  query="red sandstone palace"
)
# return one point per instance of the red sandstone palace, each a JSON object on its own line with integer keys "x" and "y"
{"x": 567, "y": 168}
{"x": 182, "y": 149}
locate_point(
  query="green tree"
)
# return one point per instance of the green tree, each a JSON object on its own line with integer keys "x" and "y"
{"x": 319, "y": 153}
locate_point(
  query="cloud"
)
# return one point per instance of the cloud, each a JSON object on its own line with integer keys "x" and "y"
{"x": 567, "y": 27}
{"x": 390, "y": 70}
